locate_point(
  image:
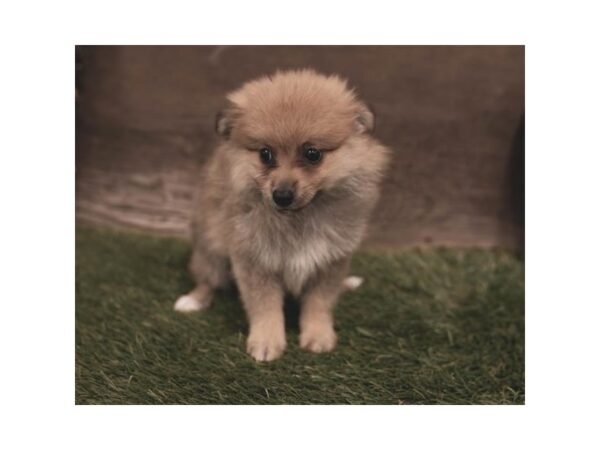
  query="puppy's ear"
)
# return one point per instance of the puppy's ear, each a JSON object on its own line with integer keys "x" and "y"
{"x": 224, "y": 122}
{"x": 365, "y": 119}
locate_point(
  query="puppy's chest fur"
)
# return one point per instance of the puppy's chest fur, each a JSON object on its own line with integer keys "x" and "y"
{"x": 295, "y": 246}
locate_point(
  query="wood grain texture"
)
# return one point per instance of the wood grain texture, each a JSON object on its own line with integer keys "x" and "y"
{"x": 452, "y": 115}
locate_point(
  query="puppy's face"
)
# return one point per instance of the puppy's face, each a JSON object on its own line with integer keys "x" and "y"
{"x": 295, "y": 135}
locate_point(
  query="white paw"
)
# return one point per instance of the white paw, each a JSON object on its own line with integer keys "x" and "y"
{"x": 187, "y": 304}
{"x": 352, "y": 283}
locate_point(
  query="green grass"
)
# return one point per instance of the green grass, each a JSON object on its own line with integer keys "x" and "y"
{"x": 427, "y": 327}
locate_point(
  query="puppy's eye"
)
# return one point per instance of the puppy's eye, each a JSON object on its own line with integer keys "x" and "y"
{"x": 266, "y": 155}
{"x": 312, "y": 155}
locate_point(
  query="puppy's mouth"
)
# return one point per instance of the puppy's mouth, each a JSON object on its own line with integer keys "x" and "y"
{"x": 289, "y": 209}
{"x": 298, "y": 204}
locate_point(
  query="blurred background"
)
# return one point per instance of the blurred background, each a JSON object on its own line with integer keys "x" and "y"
{"x": 453, "y": 116}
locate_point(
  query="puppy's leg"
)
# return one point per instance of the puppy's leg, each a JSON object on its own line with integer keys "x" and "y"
{"x": 209, "y": 271}
{"x": 262, "y": 298}
{"x": 317, "y": 304}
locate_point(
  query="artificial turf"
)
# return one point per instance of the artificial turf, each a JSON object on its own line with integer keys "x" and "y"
{"x": 427, "y": 327}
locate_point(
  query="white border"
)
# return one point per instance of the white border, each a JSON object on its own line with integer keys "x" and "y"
{"x": 37, "y": 189}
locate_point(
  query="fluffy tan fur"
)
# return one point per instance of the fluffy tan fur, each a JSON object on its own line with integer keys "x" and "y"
{"x": 303, "y": 249}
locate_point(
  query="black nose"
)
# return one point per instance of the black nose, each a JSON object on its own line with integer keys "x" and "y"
{"x": 283, "y": 197}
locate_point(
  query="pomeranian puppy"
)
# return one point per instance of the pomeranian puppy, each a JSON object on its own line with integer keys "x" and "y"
{"x": 283, "y": 203}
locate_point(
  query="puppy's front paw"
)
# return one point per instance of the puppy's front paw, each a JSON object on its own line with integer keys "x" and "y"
{"x": 189, "y": 303}
{"x": 266, "y": 345}
{"x": 318, "y": 338}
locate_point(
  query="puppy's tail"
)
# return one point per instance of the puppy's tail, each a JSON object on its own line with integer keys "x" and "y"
{"x": 352, "y": 283}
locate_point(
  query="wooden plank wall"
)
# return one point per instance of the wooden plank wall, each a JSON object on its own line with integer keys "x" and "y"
{"x": 454, "y": 117}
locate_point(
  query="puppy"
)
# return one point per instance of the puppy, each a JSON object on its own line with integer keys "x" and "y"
{"x": 283, "y": 203}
